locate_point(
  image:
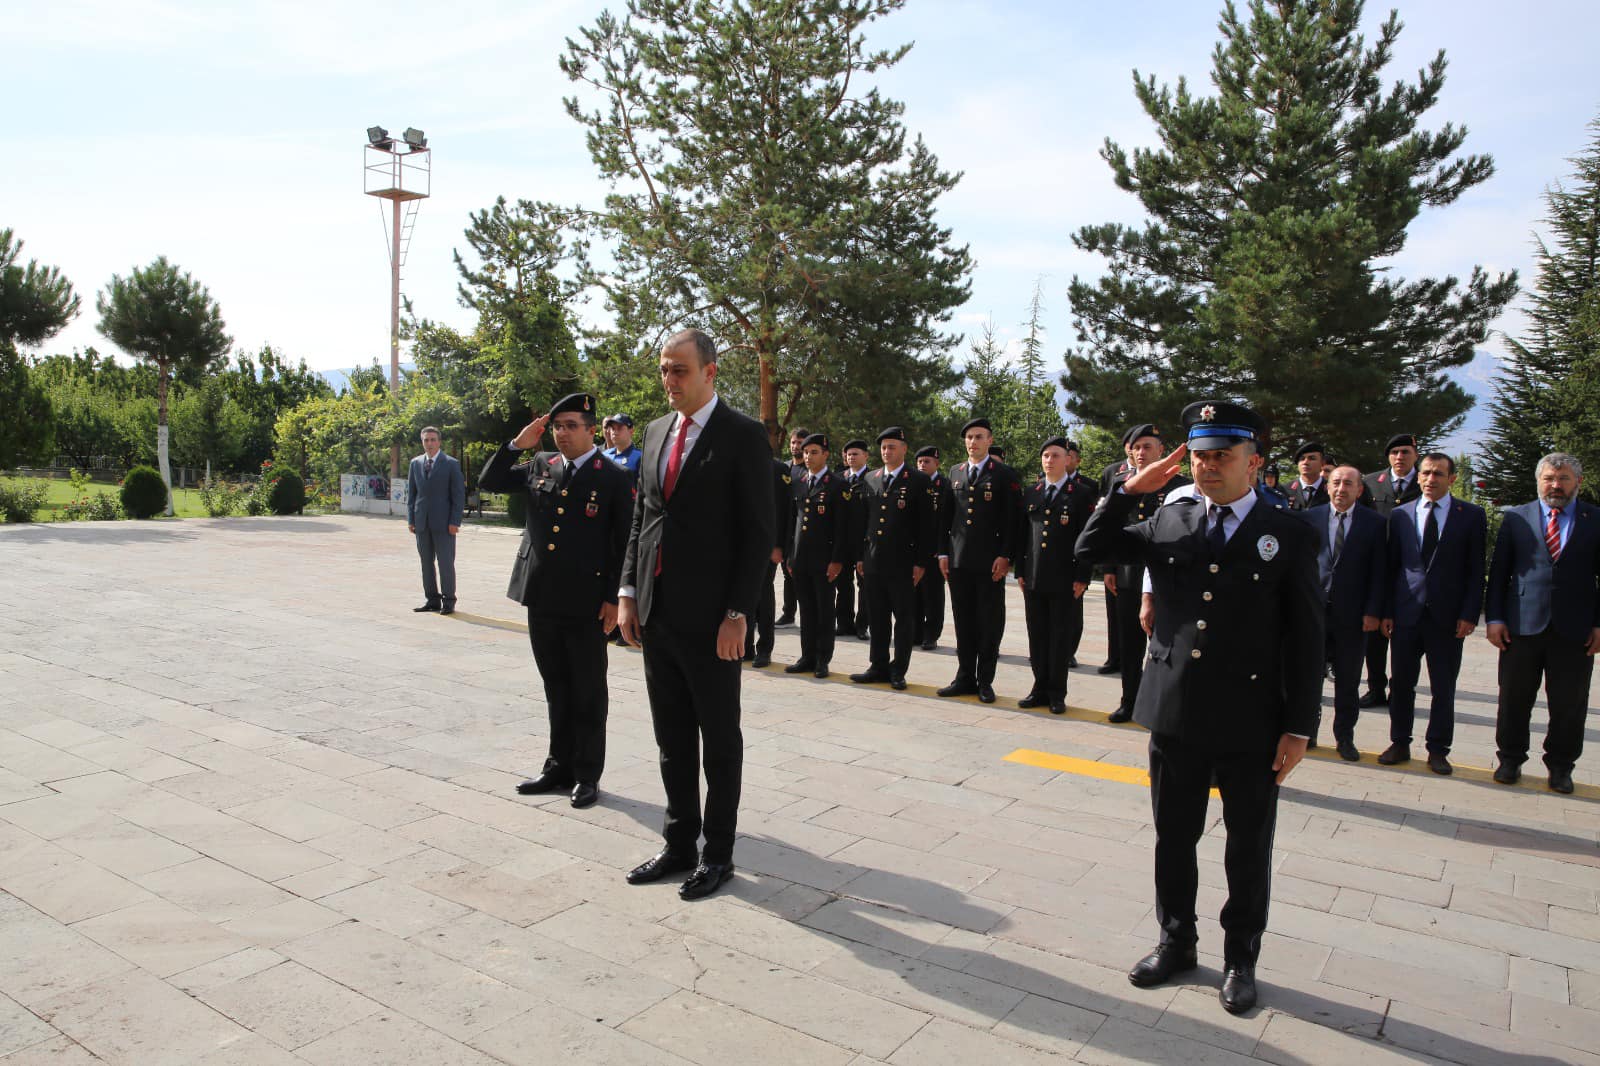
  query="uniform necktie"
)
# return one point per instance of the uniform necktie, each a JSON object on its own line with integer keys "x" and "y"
{"x": 675, "y": 460}
{"x": 1430, "y": 533}
{"x": 1219, "y": 535}
{"x": 1049, "y": 495}
{"x": 1552, "y": 534}
{"x": 1338, "y": 538}
{"x": 568, "y": 469}
{"x": 427, "y": 467}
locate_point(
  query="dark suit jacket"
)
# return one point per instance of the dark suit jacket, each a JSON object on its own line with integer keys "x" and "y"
{"x": 1236, "y": 653}
{"x": 435, "y": 501}
{"x": 570, "y": 558}
{"x": 898, "y": 531}
{"x": 1529, "y": 593}
{"x": 1450, "y": 588}
{"x": 1377, "y": 490}
{"x": 715, "y": 536}
{"x": 1355, "y": 586}
{"x": 1049, "y": 563}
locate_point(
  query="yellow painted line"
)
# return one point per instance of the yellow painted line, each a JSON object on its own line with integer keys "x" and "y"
{"x": 1105, "y": 771}
{"x": 484, "y": 620}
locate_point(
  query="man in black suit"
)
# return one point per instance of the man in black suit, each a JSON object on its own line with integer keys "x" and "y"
{"x": 930, "y": 590}
{"x": 759, "y": 641}
{"x": 1051, "y": 576}
{"x": 1310, "y": 489}
{"x": 579, "y": 513}
{"x": 820, "y": 550}
{"x": 1433, "y": 599}
{"x": 701, "y": 539}
{"x": 975, "y": 557}
{"x": 1351, "y": 561}
{"x": 1544, "y": 616}
{"x": 896, "y": 550}
{"x": 797, "y": 470}
{"x": 1383, "y": 491}
{"x": 1233, "y": 682}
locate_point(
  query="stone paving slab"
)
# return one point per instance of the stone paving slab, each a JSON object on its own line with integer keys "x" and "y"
{"x": 255, "y": 811}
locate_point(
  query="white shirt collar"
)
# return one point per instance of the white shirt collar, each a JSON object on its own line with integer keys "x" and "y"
{"x": 580, "y": 460}
{"x": 1240, "y": 507}
{"x": 890, "y": 475}
{"x": 1057, "y": 485}
{"x": 701, "y": 416}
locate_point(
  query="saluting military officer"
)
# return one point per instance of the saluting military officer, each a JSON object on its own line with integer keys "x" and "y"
{"x": 819, "y": 551}
{"x": 975, "y": 557}
{"x": 580, "y": 509}
{"x": 1234, "y": 678}
{"x": 930, "y": 590}
{"x": 1050, "y": 575}
{"x": 898, "y": 546}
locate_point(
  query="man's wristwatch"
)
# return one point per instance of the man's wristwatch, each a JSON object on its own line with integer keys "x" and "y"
{"x": 735, "y": 616}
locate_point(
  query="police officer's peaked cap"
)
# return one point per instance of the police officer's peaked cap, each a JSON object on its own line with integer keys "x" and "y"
{"x": 1271, "y": 470}
{"x": 977, "y": 423}
{"x": 1058, "y": 442}
{"x": 819, "y": 439}
{"x": 928, "y": 451}
{"x": 1311, "y": 446}
{"x": 1401, "y": 440}
{"x": 1143, "y": 429}
{"x": 574, "y": 403}
{"x": 1211, "y": 424}
{"x": 892, "y": 433}
{"x": 857, "y": 443}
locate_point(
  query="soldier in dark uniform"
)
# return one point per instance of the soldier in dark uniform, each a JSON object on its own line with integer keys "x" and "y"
{"x": 797, "y": 470}
{"x": 976, "y": 555}
{"x": 1050, "y": 575}
{"x": 898, "y": 547}
{"x": 850, "y": 616}
{"x": 580, "y": 510}
{"x": 1383, "y": 491}
{"x": 1092, "y": 487}
{"x": 1310, "y": 489}
{"x": 1108, "y": 576}
{"x": 1234, "y": 677}
{"x": 1144, "y": 448}
{"x": 930, "y": 590}
{"x": 760, "y": 637}
{"x": 819, "y": 551}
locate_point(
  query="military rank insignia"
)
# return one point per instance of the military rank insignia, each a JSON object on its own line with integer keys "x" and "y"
{"x": 591, "y": 509}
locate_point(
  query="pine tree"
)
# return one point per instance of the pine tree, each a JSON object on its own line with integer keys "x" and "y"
{"x": 1038, "y": 416}
{"x": 1275, "y": 204}
{"x": 36, "y": 302}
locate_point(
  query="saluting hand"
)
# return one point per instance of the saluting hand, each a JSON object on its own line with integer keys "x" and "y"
{"x": 531, "y": 434}
{"x": 1154, "y": 477}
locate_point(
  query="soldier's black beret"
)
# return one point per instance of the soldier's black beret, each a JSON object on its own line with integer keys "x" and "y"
{"x": 1401, "y": 440}
{"x": 997, "y": 450}
{"x": 1143, "y": 429}
{"x": 1311, "y": 446}
{"x": 977, "y": 423}
{"x": 579, "y": 402}
{"x": 819, "y": 439}
{"x": 857, "y": 443}
{"x": 1212, "y": 424}
{"x": 892, "y": 433}
{"x": 1058, "y": 442}
{"x": 928, "y": 451}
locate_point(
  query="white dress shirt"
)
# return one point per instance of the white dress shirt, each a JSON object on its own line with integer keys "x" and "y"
{"x": 700, "y": 417}
{"x": 1443, "y": 507}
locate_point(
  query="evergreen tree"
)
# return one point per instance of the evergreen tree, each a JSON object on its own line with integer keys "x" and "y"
{"x": 35, "y": 303}
{"x": 1038, "y": 416}
{"x": 1275, "y": 204}
{"x": 764, "y": 191}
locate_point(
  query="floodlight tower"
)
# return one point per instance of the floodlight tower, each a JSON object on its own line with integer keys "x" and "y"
{"x": 402, "y": 173}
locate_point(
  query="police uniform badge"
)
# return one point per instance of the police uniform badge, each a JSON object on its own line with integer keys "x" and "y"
{"x": 1267, "y": 548}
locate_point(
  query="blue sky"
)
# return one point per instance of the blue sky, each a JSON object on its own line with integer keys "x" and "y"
{"x": 230, "y": 140}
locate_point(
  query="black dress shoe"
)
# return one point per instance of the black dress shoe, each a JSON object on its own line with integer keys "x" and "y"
{"x": 844, "y": 631}
{"x": 800, "y": 666}
{"x": 1561, "y": 781}
{"x": 821, "y": 671}
{"x": 1058, "y": 706}
{"x": 549, "y": 781}
{"x": 1030, "y": 701}
{"x": 1109, "y": 668}
{"x": 1372, "y": 698}
{"x": 985, "y": 693}
{"x": 1122, "y": 714}
{"x": 1348, "y": 752}
{"x": 662, "y": 864}
{"x": 1395, "y": 754}
{"x": 584, "y": 795}
{"x": 1162, "y": 964}
{"x": 1238, "y": 988}
{"x": 929, "y": 645}
{"x": 1440, "y": 764}
{"x": 706, "y": 879}
{"x": 449, "y": 607}
{"x": 1508, "y": 773}
{"x": 863, "y": 634}
{"x": 425, "y": 607}
{"x": 784, "y": 621}
{"x": 898, "y": 682}
{"x": 958, "y": 688}
{"x": 873, "y": 676}
{"x": 761, "y": 660}
{"x": 1072, "y": 663}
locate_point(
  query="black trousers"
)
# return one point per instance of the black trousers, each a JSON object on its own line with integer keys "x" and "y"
{"x": 844, "y": 612}
{"x": 788, "y": 595}
{"x": 930, "y": 606}
{"x": 1436, "y": 641}
{"x": 1347, "y": 647}
{"x": 816, "y": 597}
{"x": 571, "y": 656}
{"x": 891, "y": 601}
{"x": 1131, "y": 641}
{"x": 694, "y": 706}
{"x": 1377, "y": 662}
{"x": 1053, "y": 627}
{"x": 760, "y": 637}
{"x": 1180, "y": 786}
{"x": 1566, "y": 670}
{"x": 979, "y": 605}
{"x": 1113, "y": 638}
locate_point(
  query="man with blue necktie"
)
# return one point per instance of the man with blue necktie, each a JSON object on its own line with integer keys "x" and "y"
{"x": 436, "y": 498}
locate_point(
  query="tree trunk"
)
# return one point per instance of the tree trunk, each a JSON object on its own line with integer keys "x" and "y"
{"x": 769, "y": 402}
{"x": 161, "y": 432}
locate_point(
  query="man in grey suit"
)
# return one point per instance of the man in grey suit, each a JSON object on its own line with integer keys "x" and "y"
{"x": 435, "y": 500}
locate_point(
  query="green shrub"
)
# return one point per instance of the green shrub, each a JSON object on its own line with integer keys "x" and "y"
{"x": 221, "y": 499}
{"x": 143, "y": 492}
{"x": 287, "y": 494}
{"x": 20, "y": 500}
{"x": 101, "y": 507}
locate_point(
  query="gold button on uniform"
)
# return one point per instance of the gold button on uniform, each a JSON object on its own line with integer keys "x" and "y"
{"x": 1195, "y": 654}
{"x": 1214, "y": 568}
{"x": 549, "y": 547}
{"x": 561, "y": 510}
{"x": 1206, "y": 596}
{"x": 1200, "y": 624}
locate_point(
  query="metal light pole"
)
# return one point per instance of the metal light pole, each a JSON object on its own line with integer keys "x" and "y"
{"x": 401, "y": 173}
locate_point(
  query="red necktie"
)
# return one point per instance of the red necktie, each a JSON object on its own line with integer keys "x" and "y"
{"x": 674, "y": 464}
{"x": 1552, "y": 534}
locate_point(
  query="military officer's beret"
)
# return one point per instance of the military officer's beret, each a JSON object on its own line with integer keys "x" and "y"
{"x": 1311, "y": 446}
{"x": 997, "y": 450}
{"x": 928, "y": 451}
{"x": 819, "y": 439}
{"x": 1212, "y": 424}
{"x": 892, "y": 433}
{"x": 977, "y": 423}
{"x": 1143, "y": 429}
{"x": 1401, "y": 440}
{"x": 1058, "y": 442}
{"x": 857, "y": 443}
{"x": 579, "y": 402}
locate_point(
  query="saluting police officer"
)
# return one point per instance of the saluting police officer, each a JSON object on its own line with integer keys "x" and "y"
{"x": 976, "y": 553}
{"x": 819, "y": 551}
{"x": 1051, "y": 576}
{"x": 580, "y": 509}
{"x": 930, "y": 590}
{"x": 760, "y": 637}
{"x": 1233, "y": 682}
{"x": 897, "y": 549}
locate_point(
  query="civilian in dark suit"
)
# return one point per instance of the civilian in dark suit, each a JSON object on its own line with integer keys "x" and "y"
{"x": 1544, "y": 616}
{"x": 896, "y": 550}
{"x": 1383, "y": 491}
{"x": 1351, "y": 542}
{"x": 436, "y": 498}
{"x": 701, "y": 539}
{"x": 930, "y": 590}
{"x": 1310, "y": 489}
{"x": 580, "y": 509}
{"x": 763, "y": 635}
{"x": 820, "y": 549}
{"x": 1233, "y": 682}
{"x": 1433, "y": 599}
{"x": 1050, "y": 575}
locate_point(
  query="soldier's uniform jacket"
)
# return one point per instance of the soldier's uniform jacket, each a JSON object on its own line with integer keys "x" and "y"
{"x": 1302, "y": 498}
{"x": 899, "y": 531}
{"x": 1049, "y": 563}
{"x": 944, "y": 502}
{"x": 1235, "y": 657}
{"x": 823, "y": 522}
{"x": 573, "y": 538}
{"x": 1378, "y": 490}
{"x": 984, "y": 515}
{"x": 782, "y": 503}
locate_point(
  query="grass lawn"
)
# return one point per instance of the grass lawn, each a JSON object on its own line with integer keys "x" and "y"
{"x": 185, "y": 502}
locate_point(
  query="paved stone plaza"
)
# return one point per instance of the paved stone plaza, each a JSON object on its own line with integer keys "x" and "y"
{"x": 255, "y": 811}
